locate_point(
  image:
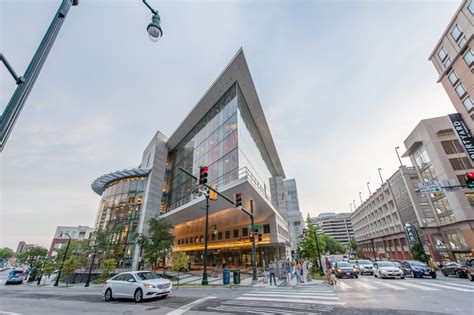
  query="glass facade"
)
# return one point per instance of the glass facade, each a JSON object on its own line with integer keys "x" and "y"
{"x": 119, "y": 215}
{"x": 227, "y": 141}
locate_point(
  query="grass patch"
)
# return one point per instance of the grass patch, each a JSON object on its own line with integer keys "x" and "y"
{"x": 316, "y": 276}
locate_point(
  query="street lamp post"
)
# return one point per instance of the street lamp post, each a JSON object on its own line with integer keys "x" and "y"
{"x": 354, "y": 202}
{"x": 360, "y": 196}
{"x": 351, "y": 207}
{"x": 398, "y": 155}
{"x": 90, "y": 269}
{"x": 26, "y": 82}
{"x": 154, "y": 28}
{"x": 56, "y": 283}
{"x": 380, "y": 175}
{"x": 206, "y": 239}
{"x": 368, "y": 187}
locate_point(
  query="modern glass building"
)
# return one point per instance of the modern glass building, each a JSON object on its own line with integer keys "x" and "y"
{"x": 226, "y": 131}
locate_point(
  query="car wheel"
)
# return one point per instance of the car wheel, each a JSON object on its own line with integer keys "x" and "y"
{"x": 375, "y": 275}
{"x": 357, "y": 277}
{"x": 458, "y": 274}
{"x": 108, "y": 295}
{"x": 413, "y": 274}
{"x": 380, "y": 275}
{"x": 138, "y": 296}
{"x": 470, "y": 277}
{"x": 433, "y": 276}
{"x": 403, "y": 278}
{"x": 444, "y": 273}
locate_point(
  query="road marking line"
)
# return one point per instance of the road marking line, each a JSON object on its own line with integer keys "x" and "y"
{"x": 366, "y": 285}
{"x": 448, "y": 287}
{"x": 462, "y": 285}
{"x": 392, "y": 286}
{"x": 284, "y": 296}
{"x": 305, "y": 301}
{"x": 417, "y": 286}
{"x": 9, "y": 313}
{"x": 295, "y": 293}
{"x": 344, "y": 286}
{"x": 264, "y": 310}
{"x": 187, "y": 307}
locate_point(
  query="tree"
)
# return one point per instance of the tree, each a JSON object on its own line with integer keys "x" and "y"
{"x": 333, "y": 246}
{"x": 5, "y": 253}
{"x": 308, "y": 248}
{"x": 418, "y": 253}
{"x": 353, "y": 245}
{"x": 48, "y": 269}
{"x": 69, "y": 268}
{"x": 159, "y": 242}
{"x": 180, "y": 262}
{"x": 35, "y": 251}
{"x": 75, "y": 248}
{"x": 109, "y": 266}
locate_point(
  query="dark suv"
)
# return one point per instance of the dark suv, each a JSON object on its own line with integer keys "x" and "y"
{"x": 454, "y": 269}
{"x": 417, "y": 269}
{"x": 470, "y": 269}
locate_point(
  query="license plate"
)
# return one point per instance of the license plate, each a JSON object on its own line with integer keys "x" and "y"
{"x": 348, "y": 273}
{"x": 394, "y": 274}
{"x": 427, "y": 273}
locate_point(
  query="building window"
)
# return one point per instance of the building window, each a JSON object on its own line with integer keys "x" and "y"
{"x": 471, "y": 7}
{"x": 462, "y": 41}
{"x": 461, "y": 180}
{"x": 469, "y": 57}
{"x": 456, "y": 33}
{"x": 453, "y": 78}
{"x": 266, "y": 228}
{"x": 422, "y": 159}
{"x": 219, "y": 236}
{"x": 468, "y": 103}
{"x": 213, "y": 236}
{"x": 227, "y": 235}
{"x": 236, "y": 233}
{"x": 460, "y": 90}
{"x": 459, "y": 164}
{"x": 447, "y": 62}
{"x": 456, "y": 240}
{"x": 452, "y": 146}
{"x": 470, "y": 197}
{"x": 245, "y": 232}
{"x": 442, "y": 54}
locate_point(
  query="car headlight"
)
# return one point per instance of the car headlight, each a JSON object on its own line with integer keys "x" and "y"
{"x": 338, "y": 270}
{"x": 399, "y": 270}
{"x": 148, "y": 285}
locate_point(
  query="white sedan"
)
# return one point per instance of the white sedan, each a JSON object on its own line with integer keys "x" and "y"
{"x": 137, "y": 285}
{"x": 387, "y": 269}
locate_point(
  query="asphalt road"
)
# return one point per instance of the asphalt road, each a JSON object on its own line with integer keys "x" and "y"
{"x": 366, "y": 295}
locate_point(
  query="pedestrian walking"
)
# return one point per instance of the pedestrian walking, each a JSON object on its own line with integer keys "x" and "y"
{"x": 271, "y": 269}
{"x": 288, "y": 272}
{"x": 329, "y": 277}
{"x": 298, "y": 273}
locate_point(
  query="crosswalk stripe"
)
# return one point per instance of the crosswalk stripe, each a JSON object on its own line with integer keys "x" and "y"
{"x": 447, "y": 287}
{"x": 463, "y": 285}
{"x": 344, "y": 286}
{"x": 392, "y": 286}
{"x": 293, "y": 297}
{"x": 365, "y": 285}
{"x": 295, "y": 293}
{"x": 417, "y": 286}
{"x": 305, "y": 301}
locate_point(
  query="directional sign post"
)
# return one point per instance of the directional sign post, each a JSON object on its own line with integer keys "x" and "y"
{"x": 429, "y": 187}
{"x": 410, "y": 234}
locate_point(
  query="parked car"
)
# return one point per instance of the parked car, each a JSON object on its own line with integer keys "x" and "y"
{"x": 387, "y": 269}
{"x": 417, "y": 269}
{"x": 353, "y": 262}
{"x": 15, "y": 276}
{"x": 137, "y": 285}
{"x": 470, "y": 269}
{"x": 364, "y": 266}
{"x": 344, "y": 269}
{"x": 454, "y": 269}
{"x": 397, "y": 263}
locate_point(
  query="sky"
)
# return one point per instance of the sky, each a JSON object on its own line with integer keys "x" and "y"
{"x": 342, "y": 83}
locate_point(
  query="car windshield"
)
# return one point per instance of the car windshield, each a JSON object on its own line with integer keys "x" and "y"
{"x": 343, "y": 264}
{"x": 364, "y": 262}
{"x": 147, "y": 275}
{"x": 417, "y": 263}
{"x": 352, "y": 261}
{"x": 385, "y": 264}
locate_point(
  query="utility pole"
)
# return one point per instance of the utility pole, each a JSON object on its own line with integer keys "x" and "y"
{"x": 254, "y": 250}
{"x": 204, "y": 275}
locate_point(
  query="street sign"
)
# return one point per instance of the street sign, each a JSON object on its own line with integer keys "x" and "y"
{"x": 257, "y": 227}
{"x": 429, "y": 187}
{"x": 410, "y": 234}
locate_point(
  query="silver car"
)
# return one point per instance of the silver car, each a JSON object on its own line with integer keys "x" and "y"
{"x": 364, "y": 266}
{"x": 137, "y": 285}
{"x": 387, "y": 269}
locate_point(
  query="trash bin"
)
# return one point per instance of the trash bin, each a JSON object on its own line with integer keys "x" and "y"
{"x": 226, "y": 276}
{"x": 236, "y": 276}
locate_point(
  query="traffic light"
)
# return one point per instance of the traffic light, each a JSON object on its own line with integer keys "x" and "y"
{"x": 203, "y": 175}
{"x": 212, "y": 193}
{"x": 251, "y": 236}
{"x": 469, "y": 178}
{"x": 238, "y": 199}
